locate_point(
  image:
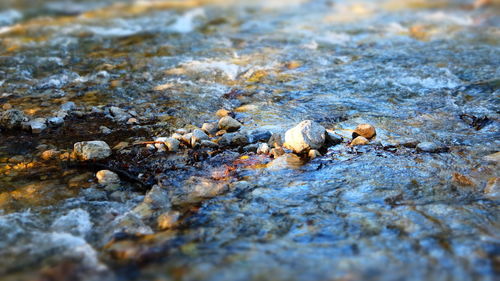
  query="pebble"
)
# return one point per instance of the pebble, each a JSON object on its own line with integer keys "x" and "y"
{"x": 233, "y": 139}
{"x": 172, "y": 144}
{"x": 430, "y": 147}
{"x": 409, "y": 143}
{"x": 107, "y": 178}
{"x": 105, "y": 130}
{"x": 161, "y": 146}
{"x": 229, "y": 124}
{"x": 222, "y": 113}
{"x": 118, "y": 113}
{"x": 132, "y": 121}
{"x": 38, "y": 125}
{"x": 55, "y": 121}
{"x": 492, "y": 189}
{"x": 332, "y": 139}
{"x": 68, "y": 106}
{"x": 251, "y": 148}
{"x": 210, "y": 128}
{"x": 6, "y": 106}
{"x": 197, "y": 136}
{"x": 12, "y": 119}
{"x": 313, "y": 153}
{"x": 305, "y": 136}
{"x": 208, "y": 143}
{"x": 92, "y": 150}
{"x": 168, "y": 220}
{"x": 50, "y": 154}
{"x": 263, "y": 148}
{"x": 181, "y": 131}
{"x": 186, "y": 138}
{"x": 259, "y": 136}
{"x": 177, "y": 136}
{"x": 364, "y": 130}
{"x": 360, "y": 140}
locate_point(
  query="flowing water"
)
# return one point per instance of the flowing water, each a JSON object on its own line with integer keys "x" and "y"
{"x": 417, "y": 70}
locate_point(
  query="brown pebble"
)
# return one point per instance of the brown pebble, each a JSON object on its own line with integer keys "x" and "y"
{"x": 313, "y": 153}
{"x": 7, "y": 106}
{"x": 222, "y": 113}
{"x": 50, "y": 154}
{"x": 360, "y": 140}
{"x": 462, "y": 180}
{"x": 364, "y": 130}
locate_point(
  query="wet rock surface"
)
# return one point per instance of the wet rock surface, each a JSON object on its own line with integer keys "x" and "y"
{"x": 193, "y": 100}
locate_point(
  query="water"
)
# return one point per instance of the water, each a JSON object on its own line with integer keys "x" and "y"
{"x": 410, "y": 68}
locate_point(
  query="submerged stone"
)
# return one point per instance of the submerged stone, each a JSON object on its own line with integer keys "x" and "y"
{"x": 12, "y": 119}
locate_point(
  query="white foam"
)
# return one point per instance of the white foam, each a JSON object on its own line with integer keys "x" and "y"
{"x": 185, "y": 23}
{"x": 77, "y": 222}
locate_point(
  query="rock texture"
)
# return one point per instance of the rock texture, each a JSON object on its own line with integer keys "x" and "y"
{"x": 305, "y": 136}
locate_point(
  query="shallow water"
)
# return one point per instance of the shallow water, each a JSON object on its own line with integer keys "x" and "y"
{"x": 410, "y": 68}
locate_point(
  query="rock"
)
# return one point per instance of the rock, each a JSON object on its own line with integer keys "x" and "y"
{"x": 156, "y": 200}
{"x": 222, "y": 113}
{"x": 80, "y": 181}
{"x": 105, "y": 130}
{"x": 429, "y": 147}
{"x": 186, "y": 138}
{"x": 61, "y": 114}
{"x": 55, "y": 121}
{"x": 38, "y": 125}
{"x": 285, "y": 161}
{"x": 364, "y": 130}
{"x": 492, "y": 189}
{"x": 305, "y": 136}
{"x": 263, "y": 148}
{"x": 210, "y": 128}
{"x": 259, "y": 136}
{"x": 132, "y": 121}
{"x": 229, "y": 124}
{"x": 251, "y": 147}
{"x": 313, "y": 153}
{"x": 360, "y": 140}
{"x": 181, "y": 131}
{"x": 118, "y": 113}
{"x": 233, "y": 139}
{"x": 492, "y": 158}
{"x": 177, "y": 136}
{"x": 197, "y": 136}
{"x": 121, "y": 145}
{"x": 92, "y": 150}
{"x": 107, "y": 177}
{"x": 172, "y": 144}
{"x": 12, "y": 119}
{"x": 196, "y": 189}
{"x": 161, "y": 146}
{"x": 463, "y": 180}
{"x": 275, "y": 141}
{"x": 332, "y": 139}
{"x": 50, "y": 154}
{"x": 68, "y": 106}
{"x": 6, "y": 106}
{"x": 168, "y": 220}
{"x": 409, "y": 143}
{"x": 208, "y": 143}
{"x": 277, "y": 152}
{"x": 220, "y": 133}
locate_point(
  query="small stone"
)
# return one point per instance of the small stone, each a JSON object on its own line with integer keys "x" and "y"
{"x": 409, "y": 143}
{"x": 492, "y": 189}
{"x": 259, "y": 136}
{"x": 197, "y": 136}
{"x": 275, "y": 141}
{"x": 263, "y": 148}
{"x": 177, "y": 136}
{"x": 12, "y": 119}
{"x": 277, "y": 152}
{"x": 313, "y": 153}
{"x": 38, "y": 125}
{"x": 172, "y": 144}
{"x": 68, "y": 106}
{"x": 305, "y": 136}
{"x": 210, "y": 128}
{"x": 16, "y": 159}
{"x": 208, "y": 143}
{"x": 168, "y": 220}
{"x": 50, "y": 154}
{"x": 492, "y": 158}
{"x": 429, "y": 147}
{"x": 118, "y": 113}
{"x": 55, "y": 121}
{"x": 360, "y": 140}
{"x": 462, "y": 180}
{"x": 233, "y": 139}
{"x": 61, "y": 114}
{"x": 6, "y": 106}
{"x": 332, "y": 139}
{"x": 181, "y": 131}
{"x": 160, "y": 143}
{"x": 92, "y": 150}
{"x": 229, "y": 124}
{"x": 186, "y": 138}
{"x": 364, "y": 130}
{"x": 251, "y": 148}
{"x": 121, "y": 145}
{"x": 222, "y": 113}
{"x": 220, "y": 133}
{"x": 107, "y": 177}
{"x": 132, "y": 121}
{"x": 105, "y": 130}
